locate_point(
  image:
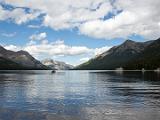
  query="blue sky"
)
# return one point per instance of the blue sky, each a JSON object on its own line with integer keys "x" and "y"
{"x": 75, "y": 31}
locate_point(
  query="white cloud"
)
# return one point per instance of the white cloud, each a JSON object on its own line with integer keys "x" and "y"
{"x": 72, "y": 13}
{"x": 62, "y": 14}
{"x": 84, "y": 59}
{"x": 99, "y": 51}
{"x": 110, "y": 28}
{"x": 43, "y": 47}
{"x": 18, "y": 15}
{"x": 56, "y": 48}
{"x": 34, "y": 26}
{"x": 9, "y": 34}
{"x": 40, "y": 36}
{"x": 40, "y": 46}
{"x": 41, "y": 50}
{"x": 12, "y": 47}
{"x": 139, "y": 17}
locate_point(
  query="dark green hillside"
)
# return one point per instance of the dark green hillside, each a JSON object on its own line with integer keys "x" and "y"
{"x": 148, "y": 59}
{"x": 129, "y": 55}
{"x": 8, "y": 64}
{"x": 19, "y": 60}
{"x": 116, "y": 57}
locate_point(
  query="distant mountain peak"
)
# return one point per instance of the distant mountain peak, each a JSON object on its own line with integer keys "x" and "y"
{"x": 56, "y": 64}
{"x": 130, "y": 46}
{"x": 129, "y": 41}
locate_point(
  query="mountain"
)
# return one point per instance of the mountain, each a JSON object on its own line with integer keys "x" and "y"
{"x": 56, "y": 65}
{"x": 18, "y": 60}
{"x": 149, "y": 58}
{"x": 126, "y": 55}
{"x": 8, "y": 64}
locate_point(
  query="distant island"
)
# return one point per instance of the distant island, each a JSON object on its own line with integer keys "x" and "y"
{"x": 130, "y": 55}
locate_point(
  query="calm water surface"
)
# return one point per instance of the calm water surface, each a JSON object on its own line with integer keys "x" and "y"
{"x": 79, "y": 95}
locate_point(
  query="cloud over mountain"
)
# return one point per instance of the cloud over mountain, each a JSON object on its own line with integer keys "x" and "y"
{"x": 41, "y": 48}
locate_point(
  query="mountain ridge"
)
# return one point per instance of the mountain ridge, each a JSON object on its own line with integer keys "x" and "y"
{"x": 20, "y": 58}
{"x": 117, "y": 56}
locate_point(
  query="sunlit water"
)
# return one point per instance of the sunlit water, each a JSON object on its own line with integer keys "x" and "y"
{"x": 79, "y": 95}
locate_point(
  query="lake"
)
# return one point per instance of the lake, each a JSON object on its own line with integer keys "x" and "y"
{"x": 79, "y": 95}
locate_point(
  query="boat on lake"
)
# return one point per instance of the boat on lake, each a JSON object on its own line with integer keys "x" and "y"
{"x": 53, "y": 71}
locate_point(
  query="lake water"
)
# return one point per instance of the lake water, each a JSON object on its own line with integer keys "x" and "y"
{"x": 79, "y": 95}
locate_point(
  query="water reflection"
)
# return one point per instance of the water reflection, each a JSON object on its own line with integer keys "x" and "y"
{"x": 80, "y": 94}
